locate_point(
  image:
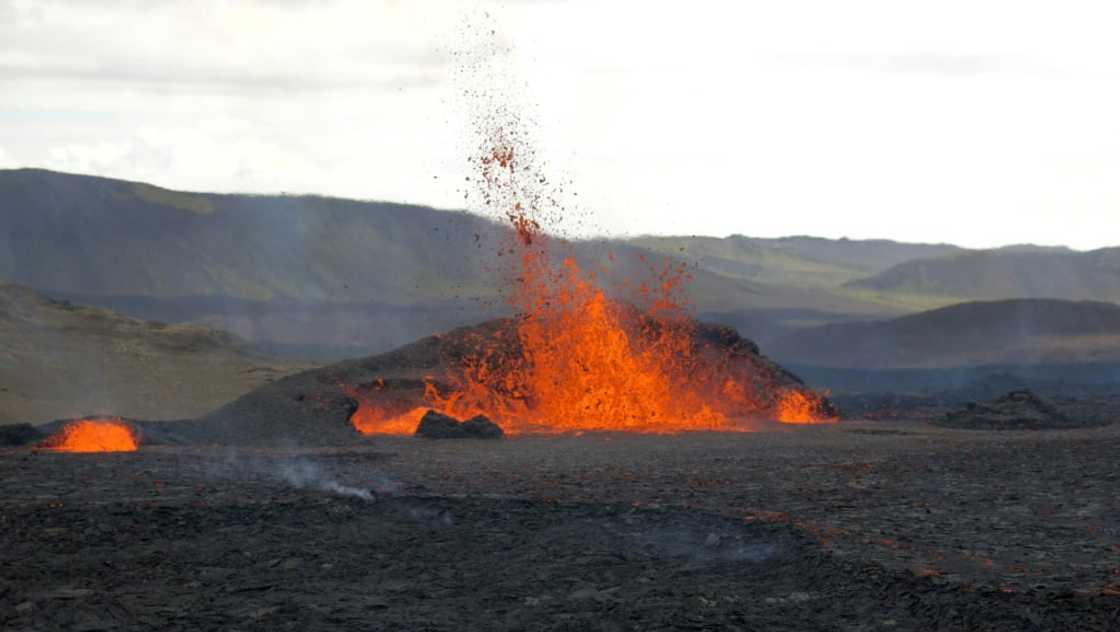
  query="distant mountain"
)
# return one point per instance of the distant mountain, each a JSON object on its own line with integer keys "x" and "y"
{"x": 1017, "y": 272}
{"x": 1028, "y": 331}
{"x": 794, "y": 261}
{"x": 322, "y": 276}
{"x": 99, "y": 236}
{"x": 61, "y": 360}
{"x": 327, "y": 278}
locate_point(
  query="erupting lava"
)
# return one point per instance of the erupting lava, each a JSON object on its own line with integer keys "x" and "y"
{"x": 587, "y": 363}
{"x": 797, "y": 407}
{"x": 576, "y": 358}
{"x": 94, "y": 435}
{"x": 370, "y": 419}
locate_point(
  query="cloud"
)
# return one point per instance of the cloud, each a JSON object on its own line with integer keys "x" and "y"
{"x": 220, "y": 80}
{"x": 97, "y": 158}
{"x": 918, "y": 121}
{"x": 937, "y": 64}
{"x": 220, "y": 47}
{"x": 19, "y": 12}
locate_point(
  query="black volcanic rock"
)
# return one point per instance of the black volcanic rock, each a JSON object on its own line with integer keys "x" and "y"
{"x": 436, "y": 425}
{"x": 19, "y": 434}
{"x": 480, "y": 427}
{"x": 1017, "y": 410}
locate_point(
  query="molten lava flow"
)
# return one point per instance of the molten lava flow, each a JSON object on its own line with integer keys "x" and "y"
{"x": 376, "y": 415}
{"x": 89, "y": 435}
{"x": 370, "y": 419}
{"x": 798, "y": 407}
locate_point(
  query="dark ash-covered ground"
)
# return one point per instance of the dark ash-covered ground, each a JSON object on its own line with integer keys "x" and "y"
{"x": 849, "y": 527}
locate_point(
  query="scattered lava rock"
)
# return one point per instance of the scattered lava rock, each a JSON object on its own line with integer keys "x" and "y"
{"x": 19, "y": 434}
{"x": 436, "y": 425}
{"x": 480, "y": 427}
{"x": 1017, "y": 410}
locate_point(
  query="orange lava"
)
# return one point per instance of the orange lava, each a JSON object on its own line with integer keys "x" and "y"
{"x": 89, "y": 435}
{"x": 586, "y": 363}
{"x": 577, "y": 359}
{"x": 371, "y": 420}
{"x": 799, "y": 407}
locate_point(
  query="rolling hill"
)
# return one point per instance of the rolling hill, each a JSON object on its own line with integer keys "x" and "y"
{"x": 328, "y": 278}
{"x": 61, "y": 360}
{"x": 1010, "y": 332}
{"x": 795, "y": 261}
{"x": 1015, "y": 272}
{"x": 323, "y": 276}
{"x": 100, "y": 236}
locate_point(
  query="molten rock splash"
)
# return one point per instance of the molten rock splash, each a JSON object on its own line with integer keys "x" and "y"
{"x": 90, "y": 435}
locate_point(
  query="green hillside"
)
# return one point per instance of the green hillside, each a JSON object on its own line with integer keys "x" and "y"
{"x": 100, "y": 236}
{"x": 1024, "y": 331}
{"x": 338, "y": 276}
{"x": 1005, "y": 273}
{"x": 810, "y": 262}
{"x": 326, "y": 277}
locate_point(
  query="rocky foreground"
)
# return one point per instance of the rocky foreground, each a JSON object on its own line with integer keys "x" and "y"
{"x": 851, "y": 527}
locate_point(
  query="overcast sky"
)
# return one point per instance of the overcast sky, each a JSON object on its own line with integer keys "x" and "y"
{"x": 978, "y": 122}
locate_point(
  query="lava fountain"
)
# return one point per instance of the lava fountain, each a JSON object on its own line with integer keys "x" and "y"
{"x": 583, "y": 355}
{"x": 94, "y": 435}
{"x": 576, "y": 359}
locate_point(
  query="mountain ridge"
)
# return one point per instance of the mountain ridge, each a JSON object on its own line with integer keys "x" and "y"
{"x": 340, "y": 277}
{"x": 1006, "y": 273}
{"x": 1016, "y": 331}
{"x": 99, "y": 239}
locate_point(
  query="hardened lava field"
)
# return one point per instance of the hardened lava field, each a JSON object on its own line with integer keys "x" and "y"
{"x": 841, "y": 527}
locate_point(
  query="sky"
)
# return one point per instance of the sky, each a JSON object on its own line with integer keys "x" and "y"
{"x": 981, "y": 122}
